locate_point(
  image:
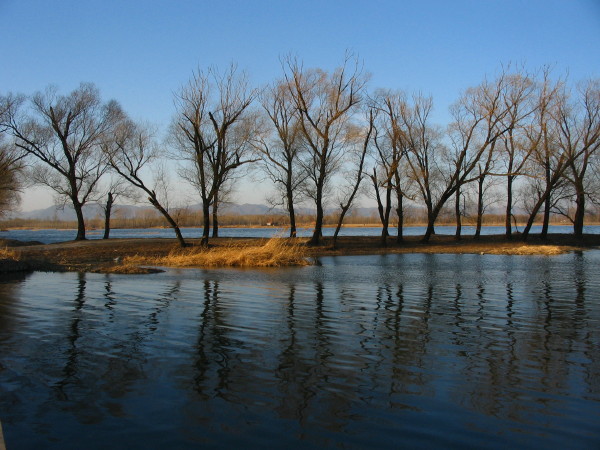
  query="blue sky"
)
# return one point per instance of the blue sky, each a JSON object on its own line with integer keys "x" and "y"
{"x": 140, "y": 52}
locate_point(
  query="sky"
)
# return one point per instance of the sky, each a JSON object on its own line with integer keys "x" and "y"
{"x": 140, "y": 52}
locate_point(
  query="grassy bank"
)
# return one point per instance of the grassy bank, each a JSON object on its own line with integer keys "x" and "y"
{"x": 127, "y": 255}
{"x": 276, "y": 252}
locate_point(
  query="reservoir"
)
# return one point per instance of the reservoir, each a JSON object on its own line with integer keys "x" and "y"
{"x": 48, "y": 236}
{"x": 385, "y": 351}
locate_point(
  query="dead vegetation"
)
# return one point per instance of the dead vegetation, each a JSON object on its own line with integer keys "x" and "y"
{"x": 276, "y": 252}
{"x": 532, "y": 250}
{"x": 143, "y": 255}
{"x": 9, "y": 253}
{"x": 10, "y": 261}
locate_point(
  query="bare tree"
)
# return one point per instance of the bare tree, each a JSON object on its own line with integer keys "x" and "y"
{"x": 325, "y": 102}
{"x": 548, "y": 160}
{"x": 223, "y": 197}
{"x": 459, "y": 211}
{"x": 356, "y": 174}
{"x": 479, "y": 118}
{"x": 424, "y": 155}
{"x": 11, "y": 160}
{"x": 476, "y": 127}
{"x": 384, "y": 209}
{"x": 280, "y": 147}
{"x": 212, "y": 131}
{"x": 133, "y": 150}
{"x": 391, "y": 145}
{"x": 579, "y": 137}
{"x": 405, "y": 190}
{"x": 11, "y": 176}
{"x": 514, "y": 148}
{"x": 64, "y": 133}
{"x": 116, "y": 187}
{"x": 484, "y": 186}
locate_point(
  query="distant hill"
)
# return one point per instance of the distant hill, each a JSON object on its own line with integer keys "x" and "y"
{"x": 68, "y": 213}
{"x": 95, "y": 210}
{"x": 247, "y": 209}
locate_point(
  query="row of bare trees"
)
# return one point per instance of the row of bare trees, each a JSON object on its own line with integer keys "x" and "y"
{"x": 320, "y": 137}
{"x": 517, "y": 127}
{"x": 513, "y": 126}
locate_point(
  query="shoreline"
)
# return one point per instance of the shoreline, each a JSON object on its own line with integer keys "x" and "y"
{"x": 104, "y": 256}
{"x": 392, "y": 228}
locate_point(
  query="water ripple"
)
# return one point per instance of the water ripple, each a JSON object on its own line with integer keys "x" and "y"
{"x": 380, "y": 351}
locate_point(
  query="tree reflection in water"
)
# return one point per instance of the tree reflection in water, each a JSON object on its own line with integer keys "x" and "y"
{"x": 380, "y": 351}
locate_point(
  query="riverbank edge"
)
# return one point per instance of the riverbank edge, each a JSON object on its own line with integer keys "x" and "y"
{"x": 105, "y": 256}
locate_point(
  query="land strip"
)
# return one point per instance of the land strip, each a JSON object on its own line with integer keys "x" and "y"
{"x": 110, "y": 255}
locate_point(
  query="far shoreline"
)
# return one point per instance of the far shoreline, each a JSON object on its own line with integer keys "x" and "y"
{"x": 392, "y": 228}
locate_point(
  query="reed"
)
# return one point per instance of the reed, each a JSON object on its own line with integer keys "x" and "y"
{"x": 276, "y": 252}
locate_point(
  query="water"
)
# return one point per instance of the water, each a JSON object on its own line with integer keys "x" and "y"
{"x": 383, "y": 351}
{"x": 49, "y": 236}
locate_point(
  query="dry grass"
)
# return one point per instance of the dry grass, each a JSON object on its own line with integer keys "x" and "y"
{"x": 128, "y": 269}
{"x": 276, "y": 252}
{"x": 9, "y": 253}
{"x": 532, "y": 250}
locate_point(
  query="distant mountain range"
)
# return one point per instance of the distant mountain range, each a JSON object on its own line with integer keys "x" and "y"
{"x": 95, "y": 210}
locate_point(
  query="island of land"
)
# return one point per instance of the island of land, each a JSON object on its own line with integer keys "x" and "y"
{"x": 144, "y": 255}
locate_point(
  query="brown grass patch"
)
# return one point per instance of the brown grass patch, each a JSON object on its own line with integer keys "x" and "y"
{"x": 9, "y": 253}
{"x": 276, "y": 252}
{"x": 532, "y": 250}
{"x": 129, "y": 269}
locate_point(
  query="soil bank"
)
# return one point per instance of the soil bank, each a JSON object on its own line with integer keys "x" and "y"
{"x": 103, "y": 255}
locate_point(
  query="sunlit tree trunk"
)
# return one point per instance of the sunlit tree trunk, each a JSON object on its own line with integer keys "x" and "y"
{"x": 215, "y": 217}
{"x": 458, "y": 214}
{"x": 480, "y": 182}
{"x": 509, "y": 201}
{"x": 205, "y": 222}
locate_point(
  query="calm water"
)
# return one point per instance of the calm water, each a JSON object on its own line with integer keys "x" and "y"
{"x": 50, "y": 236}
{"x": 370, "y": 351}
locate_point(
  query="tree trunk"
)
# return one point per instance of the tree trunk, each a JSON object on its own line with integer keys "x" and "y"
{"x": 385, "y": 221}
{"x": 546, "y": 220}
{"x": 384, "y": 212}
{"x": 479, "y": 208}
{"x": 547, "y": 193}
{"x": 457, "y": 235}
{"x": 430, "y": 230}
{"x": 340, "y": 221}
{"x": 80, "y": 221}
{"x": 579, "y": 211}
{"x": 377, "y": 195}
{"x": 400, "y": 213}
{"x": 509, "y": 194}
{"x": 205, "y": 222}
{"x": 292, "y": 213}
{"x": 316, "y": 237}
{"x": 533, "y": 214}
{"x": 544, "y": 199}
{"x": 346, "y": 207}
{"x": 431, "y": 218}
{"x": 107, "y": 212}
{"x": 215, "y": 217}
{"x": 169, "y": 219}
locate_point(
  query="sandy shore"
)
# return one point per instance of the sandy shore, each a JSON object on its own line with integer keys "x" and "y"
{"x": 104, "y": 255}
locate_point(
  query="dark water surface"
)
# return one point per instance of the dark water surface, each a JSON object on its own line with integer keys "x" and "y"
{"x": 371, "y": 351}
